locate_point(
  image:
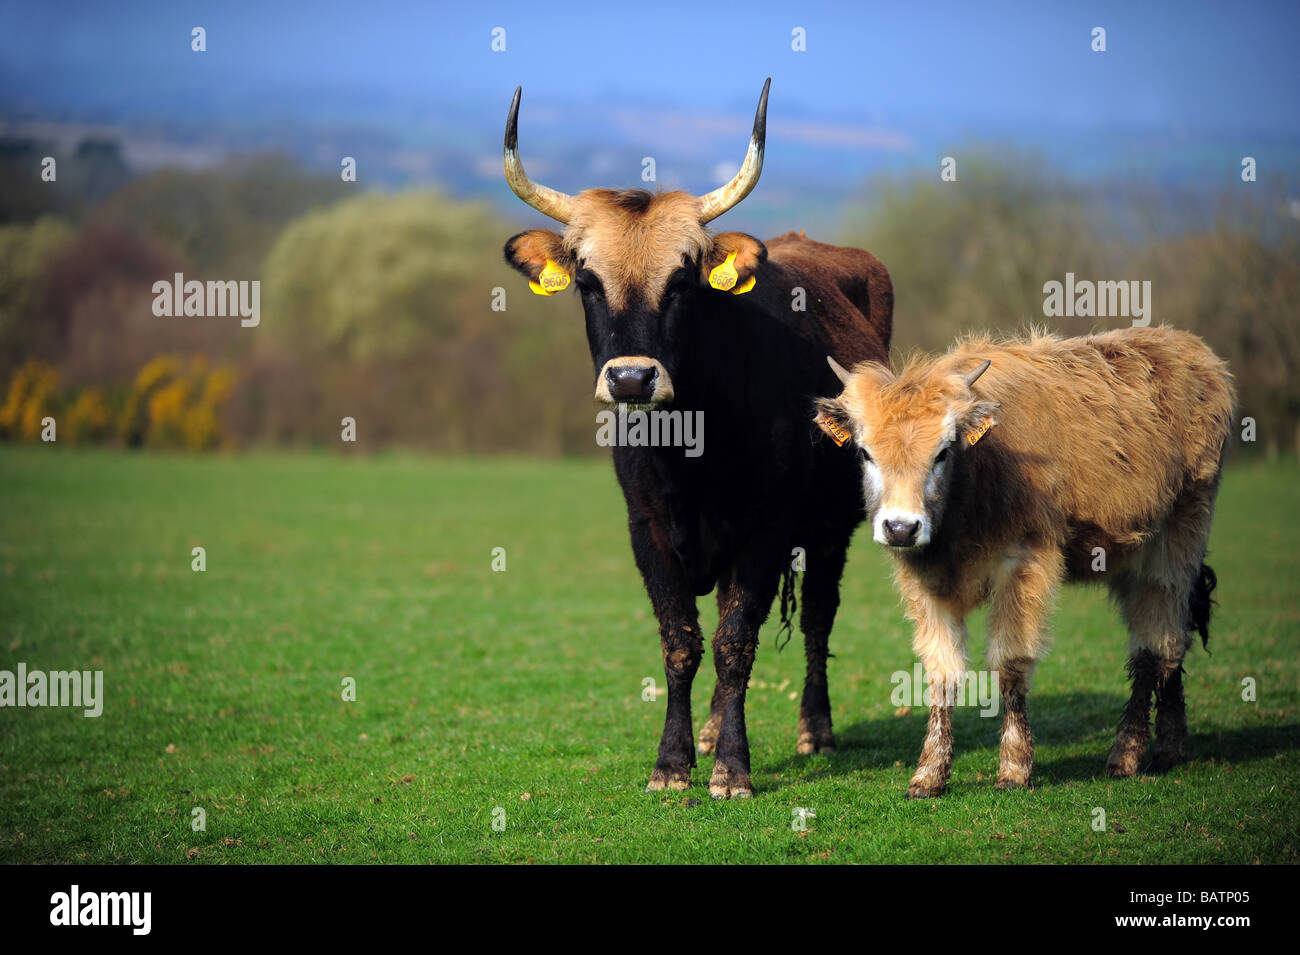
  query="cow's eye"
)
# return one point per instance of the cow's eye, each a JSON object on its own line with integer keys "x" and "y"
{"x": 588, "y": 283}
{"x": 941, "y": 456}
{"x": 676, "y": 285}
{"x": 866, "y": 455}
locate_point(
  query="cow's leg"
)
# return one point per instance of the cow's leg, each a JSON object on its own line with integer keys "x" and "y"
{"x": 680, "y": 641}
{"x": 746, "y": 598}
{"x": 1021, "y": 598}
{"x": 821, "y": 598}
{"x": 940, "y": 642}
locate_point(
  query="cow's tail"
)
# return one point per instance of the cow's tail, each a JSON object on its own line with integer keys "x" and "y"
{"x": 1200, "y": 604}
{"x": 789, "y": 606}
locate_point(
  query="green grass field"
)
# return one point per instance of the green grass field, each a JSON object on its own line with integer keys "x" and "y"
{"x": 523, "y": 690}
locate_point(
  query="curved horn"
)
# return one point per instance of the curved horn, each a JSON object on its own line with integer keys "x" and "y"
{"x": 557, "y": 205}
{"x": 973, "y": 377}
{"x": 839, "y": 370}
{"x": 723, "y": 198}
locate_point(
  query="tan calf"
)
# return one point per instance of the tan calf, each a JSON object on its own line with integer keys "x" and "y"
{"x": 1000, "y": 469}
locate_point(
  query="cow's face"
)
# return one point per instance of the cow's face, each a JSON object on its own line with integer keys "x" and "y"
{"x": 909, "y": 431}
{"x": 641, "y": 263}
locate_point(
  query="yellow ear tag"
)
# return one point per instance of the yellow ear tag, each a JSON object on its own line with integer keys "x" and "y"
{"x": 838, "y": 434}
{"x": 745, "y": 287}
{"x": 983, "y": 429}
{"x": 724, "y": 276}
{"x": 553, "y": 279}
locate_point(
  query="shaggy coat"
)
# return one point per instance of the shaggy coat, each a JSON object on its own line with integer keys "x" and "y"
{"x": 1090, "y": 459}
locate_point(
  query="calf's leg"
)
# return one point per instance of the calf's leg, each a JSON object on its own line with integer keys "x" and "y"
{"x": 1021, "y": 599}
{"x": 940, "y": 642}
{"x": 1161, "y": 598}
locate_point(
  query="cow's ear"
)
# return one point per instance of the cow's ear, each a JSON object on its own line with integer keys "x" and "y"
{"x": 833, "y": 419}
{"x": 733, "y": 262}
{"x": 539, "y": 254}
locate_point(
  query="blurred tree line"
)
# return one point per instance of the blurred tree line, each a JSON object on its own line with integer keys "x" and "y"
{"x": 973, "y": 255}
{"x": 379, "y": 306}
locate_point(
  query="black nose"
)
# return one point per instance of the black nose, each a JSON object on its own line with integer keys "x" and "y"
{"x": 631, "y": 382}
{"x": 901, "y": 533}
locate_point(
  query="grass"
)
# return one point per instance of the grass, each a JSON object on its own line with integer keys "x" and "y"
{"x": 522, "y": 690}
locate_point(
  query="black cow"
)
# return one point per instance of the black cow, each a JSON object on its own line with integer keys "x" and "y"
{"x": 738, "y": 329}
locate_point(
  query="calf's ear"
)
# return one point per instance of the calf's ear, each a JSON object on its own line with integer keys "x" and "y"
{"x": 976, "y": 421}
{"x": 732, "y": 264}
{"x": 539, "y": 255}
{"x": 833, "y": 420}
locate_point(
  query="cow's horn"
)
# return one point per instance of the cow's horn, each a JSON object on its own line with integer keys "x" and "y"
{"x": 557, "y": 205}
{"x": 723, "y": 198}
{"x": 839, "y": 370}
{"x": 974, "y": 375}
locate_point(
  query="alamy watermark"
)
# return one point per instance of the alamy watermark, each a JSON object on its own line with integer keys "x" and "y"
{"x": 651, "y": 429}
{"x": 1087, "y": 299}
{"x": 973, "y": 688}
{"x": 78, "y": 688}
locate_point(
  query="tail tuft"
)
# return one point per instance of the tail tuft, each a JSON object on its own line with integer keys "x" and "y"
{"x": 1200, "y": 604}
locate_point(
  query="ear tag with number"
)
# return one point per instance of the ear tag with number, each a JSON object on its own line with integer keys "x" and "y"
{"x": 723, "y": 277}
{"x": 832, "y": 427}
{"x": 744, "y": 287}
{"x": 551, "y": 280}
{"x": 983, "y": 429}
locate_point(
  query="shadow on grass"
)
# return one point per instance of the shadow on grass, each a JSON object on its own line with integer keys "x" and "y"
{"x": 1062, "y": 720}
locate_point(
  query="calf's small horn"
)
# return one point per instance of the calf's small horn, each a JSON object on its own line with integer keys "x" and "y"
{"x": 974, "y": 375}
{"x": 836, "y": 367}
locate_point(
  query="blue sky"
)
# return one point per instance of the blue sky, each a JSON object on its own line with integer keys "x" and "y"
{"x": 1183, "y": 90}
{"x": 1220, "y": 66}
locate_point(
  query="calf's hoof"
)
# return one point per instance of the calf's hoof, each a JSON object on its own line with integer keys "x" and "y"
{"x": 1125, "y": 758}
{"x": 925, "y": 787}
{"x": 661, "y": 779}
{"x": 815, "y": 737}
{"x": 1005, "y": 783}
{"x": 709, "y": 736}
{"x": 1164, "y": 762}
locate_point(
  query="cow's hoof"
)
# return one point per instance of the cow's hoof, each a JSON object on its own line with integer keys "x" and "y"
{"x": 1006, "y": 783}
{"x": 730, "y": 785}
{"x": 661, "y": 779}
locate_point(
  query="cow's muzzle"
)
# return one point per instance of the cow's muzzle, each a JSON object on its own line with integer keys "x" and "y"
{"x": 634, "y": 380}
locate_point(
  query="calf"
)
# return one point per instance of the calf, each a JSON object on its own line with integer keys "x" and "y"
{"x": 1000, "y": 469}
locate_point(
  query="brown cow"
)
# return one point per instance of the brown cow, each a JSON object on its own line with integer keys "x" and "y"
{"x": 1083, "y": 459}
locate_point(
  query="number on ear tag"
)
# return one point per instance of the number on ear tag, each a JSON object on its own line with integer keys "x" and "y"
{"x": 551, "y": 280}
{"x": 723, "y": 277}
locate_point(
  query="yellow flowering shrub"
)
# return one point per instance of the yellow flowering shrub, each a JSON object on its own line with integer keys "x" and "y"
{"x": 30, "y": 399}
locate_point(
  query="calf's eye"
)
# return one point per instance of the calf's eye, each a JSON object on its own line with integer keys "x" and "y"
{"x": 941, "y": 456}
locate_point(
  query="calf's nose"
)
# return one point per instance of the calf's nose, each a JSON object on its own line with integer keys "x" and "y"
{"x": 901, "y": 533}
